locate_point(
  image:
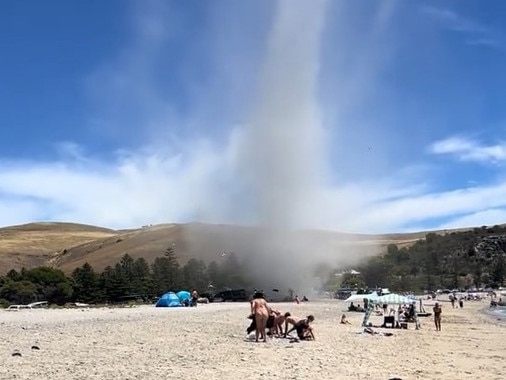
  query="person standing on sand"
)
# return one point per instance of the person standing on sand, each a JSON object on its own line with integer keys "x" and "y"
{"x": 279, "y": 321}
{"x": 437, "y": 316}
{"x": 260, "y": 311}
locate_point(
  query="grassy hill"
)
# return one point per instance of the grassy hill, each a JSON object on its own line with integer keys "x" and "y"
{"x": 69, "y": 245}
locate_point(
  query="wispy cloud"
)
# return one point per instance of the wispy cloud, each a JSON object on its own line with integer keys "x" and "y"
{"x": 466, "y": 149}
{"x": 475, "y": 32}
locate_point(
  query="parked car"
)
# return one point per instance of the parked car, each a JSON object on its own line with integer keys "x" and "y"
{"x": 208, "y": 295}
{"x": 235, "y": 295}
{"x": 18, "y": 307}
{"x": 33, "y": 305}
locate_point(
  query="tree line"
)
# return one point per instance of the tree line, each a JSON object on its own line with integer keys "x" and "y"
{"x": 458, "y": 260}
{"x": 126, "y": 278}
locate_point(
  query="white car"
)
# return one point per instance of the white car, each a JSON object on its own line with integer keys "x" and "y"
{"x": 34, "y": 305}
{"x": 18, "y": 307}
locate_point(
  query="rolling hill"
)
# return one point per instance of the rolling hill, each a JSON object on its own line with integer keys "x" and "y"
{"x": 69, "y": 245}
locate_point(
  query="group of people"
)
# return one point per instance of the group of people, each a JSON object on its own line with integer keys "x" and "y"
{"x": 269, "y": 321}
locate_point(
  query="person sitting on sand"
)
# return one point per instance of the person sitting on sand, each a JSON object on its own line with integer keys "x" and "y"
{"x": 260, "y": 311}
{"x": 437, "y": 316}
{"x": 195, "y": 297}
{"x": 344, "y": 321}
{"x": 304, "y": 330}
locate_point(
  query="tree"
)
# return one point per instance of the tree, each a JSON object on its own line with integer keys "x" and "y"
{"x": 195, "y": 276}
{"x": 499, "y": 270}
{"x": 52, "y": 284}
{"x": 13, "y": 275}
{"x": 375, "y": 272}
{"x": 107, "y": 283}
{"x": 167, "y": 272}
{"x": 232, "y": 272}
{"x": 86, "y": 285}
{"x": 22, "y": 292}
{"x": 352, "y": 280}
{"x": 142, "y": 279}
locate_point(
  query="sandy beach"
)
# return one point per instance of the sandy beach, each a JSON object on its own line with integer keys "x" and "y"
{"x": 208, "y": 342}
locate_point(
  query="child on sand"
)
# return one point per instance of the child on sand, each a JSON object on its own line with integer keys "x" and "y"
{"x": 344, "y": 321}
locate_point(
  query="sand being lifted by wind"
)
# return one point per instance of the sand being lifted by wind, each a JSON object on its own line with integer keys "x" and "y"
{"x": 208, "y": 342}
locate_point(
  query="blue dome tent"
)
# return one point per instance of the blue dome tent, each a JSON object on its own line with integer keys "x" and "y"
{"x": 183, "y": 295}
{"x": 169, "y": 299}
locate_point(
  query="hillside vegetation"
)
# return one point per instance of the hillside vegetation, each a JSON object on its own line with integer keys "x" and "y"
{"x": 456, "y": 260}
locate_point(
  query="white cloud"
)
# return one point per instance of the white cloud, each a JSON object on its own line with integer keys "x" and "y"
{"x": 466, "y": 149}
{"x": 475, "y": 32}
{"x": 491, "y": 216}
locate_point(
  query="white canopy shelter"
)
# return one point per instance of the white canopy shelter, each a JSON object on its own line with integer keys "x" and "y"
{"x": 360, "y": 297}
{"x": 393, "y": 298}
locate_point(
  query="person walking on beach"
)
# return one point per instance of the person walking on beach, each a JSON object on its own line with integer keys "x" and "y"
{"x": 437, "y": 316}
{"x": 260, "y": 311}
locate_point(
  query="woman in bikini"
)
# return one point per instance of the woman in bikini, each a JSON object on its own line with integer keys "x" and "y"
{"x": 260, "y": 311}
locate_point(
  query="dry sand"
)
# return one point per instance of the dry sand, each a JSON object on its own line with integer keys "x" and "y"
{"x": 208, "y": 342}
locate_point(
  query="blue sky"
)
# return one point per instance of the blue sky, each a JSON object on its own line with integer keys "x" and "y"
{"x": 370, "y": 116}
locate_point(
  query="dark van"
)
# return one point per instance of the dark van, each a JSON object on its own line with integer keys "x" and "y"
{"x": 235, "y": 295}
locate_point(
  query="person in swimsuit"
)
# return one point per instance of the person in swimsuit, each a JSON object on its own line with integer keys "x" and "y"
{"x": 271, "y": 321}
{"x": 290, "y": 320}
{"x": 260, "y": 311}
{"x": 280, "y": 320}
{"x": 304, "y": 330}
{"x": 437, "y": 316}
